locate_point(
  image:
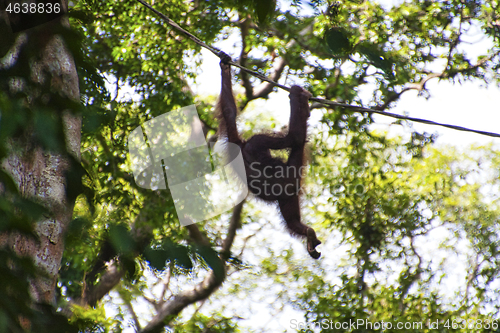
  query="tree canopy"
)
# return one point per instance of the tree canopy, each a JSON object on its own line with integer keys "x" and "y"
{"x": 411, "y": 228}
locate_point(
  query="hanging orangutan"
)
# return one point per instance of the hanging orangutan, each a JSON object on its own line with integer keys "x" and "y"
{"x": 269, "y": 178}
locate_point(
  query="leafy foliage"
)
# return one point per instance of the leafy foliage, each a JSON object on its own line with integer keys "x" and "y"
{"x": 382, "y": 197}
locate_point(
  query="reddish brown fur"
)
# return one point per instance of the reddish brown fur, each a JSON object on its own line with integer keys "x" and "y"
{"x": 270, "y": 178}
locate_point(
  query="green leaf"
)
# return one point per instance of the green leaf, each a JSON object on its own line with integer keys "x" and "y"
{"x": 213, "y": 260}
{"x": 337, "y": 41}
{"x": 264, "y": 9}
{"x": 377, "y": 57}
{"x": 129, "y": 265}
{"x": 48, "y": 130}
{"x": 180, "y": 254}
{"x": 157, "y": 258}
{"x": 121, "y": 239}
{"x": 7, "y": 181}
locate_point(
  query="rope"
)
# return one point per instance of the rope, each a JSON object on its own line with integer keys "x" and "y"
{"x": 316, "y": 99}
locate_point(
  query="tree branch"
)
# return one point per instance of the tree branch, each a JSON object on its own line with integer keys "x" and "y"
{"x": 197, "y": 236}
{"x": 243, "y": 59}
{"x": 266, "y": 87}
{"x": 201, "y": 291}
{"x": 113, "y": 273}
{"x": 109, "y": 279}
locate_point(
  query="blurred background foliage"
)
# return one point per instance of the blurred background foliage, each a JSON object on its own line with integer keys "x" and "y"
{"x": 379, "y": 201}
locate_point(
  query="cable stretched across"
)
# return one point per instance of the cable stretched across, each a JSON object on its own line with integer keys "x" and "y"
{"x": 349, "y": 107}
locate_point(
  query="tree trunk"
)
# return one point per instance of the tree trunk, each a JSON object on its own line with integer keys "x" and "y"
{"x": 40, "y": 175}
